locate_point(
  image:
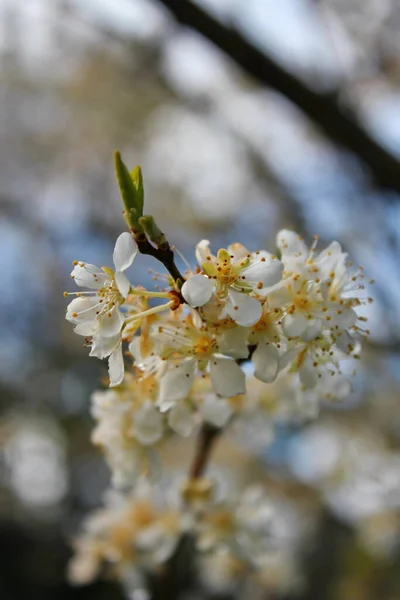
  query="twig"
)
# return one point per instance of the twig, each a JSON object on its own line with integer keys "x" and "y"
{"x": 163, "y": 254}
{"x": 205, "y": 442}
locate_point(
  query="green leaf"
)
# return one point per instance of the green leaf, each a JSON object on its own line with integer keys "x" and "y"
{"x": 137, "y": 180}
{"x": 131, "y": 190}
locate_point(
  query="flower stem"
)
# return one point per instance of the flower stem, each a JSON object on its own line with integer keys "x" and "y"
{"x": 205, "y": 442}
{"x": 148, "y": 294}
{"x": 151, "y": 311}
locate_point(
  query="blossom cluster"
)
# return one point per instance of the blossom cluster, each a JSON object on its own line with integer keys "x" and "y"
{"x": 134, "y": 534}
{"x": 246, "y": 340}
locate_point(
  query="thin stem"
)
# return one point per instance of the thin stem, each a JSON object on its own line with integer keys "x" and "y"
{"x": 148, "y": 294}
{"x": 205, "y": 442}
{"x": 163, "y": 254}
{"x": 151, "y": 311}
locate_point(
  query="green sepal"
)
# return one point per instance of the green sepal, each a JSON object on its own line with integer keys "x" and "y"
{"x": 153, "y": 232}
{"x": 131, "y": 190}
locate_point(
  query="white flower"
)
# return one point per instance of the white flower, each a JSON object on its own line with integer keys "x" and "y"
{"x": 216, "y": 411}
{"x": 128, "y": 425}
{"x": 184, "y": 349}
{"x": 317, "y": 290}
{"x": 182, "y": 419}
{"x": 97, "y": 313}
{"x": 139, "y": 531}
{"x": 234, "y": 275}
{"x": 147, "y": 424}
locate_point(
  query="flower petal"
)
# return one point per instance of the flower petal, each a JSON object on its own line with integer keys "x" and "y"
{"x": 227, "y": 377}
{"x": 202, "y": 251}
{"x": 263, "y": 269}
{"x": 86, "y": 329}
{"x": 237, "y": 251}
{"x": 216, "y": 411}
{"x": 197, "y": 290}
{"x": 313, "y": 330}
{"x": 308, "y": 373}
{"x": 176, "y": 383}
{"x": 291, "y": 243}
{"x": 116, "y": 369}
{"x": 125, "y": 250}
{"x": 295, "y": 324}
{"x": 147, "y": 424}
{"x": 266, "y": 362}
{"x": 104, "y": 346}
{"x": 243, "y": 309}
{"x": 182, "y": 419}
{"x": 344, "y": 341}
{"x": 123, "y": 283}
{"x": 234, "y": 343}
{"x": 327, "y": 260}
{"x": 111, "y": 322}
{"x": 83, "y": 309}
{"x": 90, "y": 276}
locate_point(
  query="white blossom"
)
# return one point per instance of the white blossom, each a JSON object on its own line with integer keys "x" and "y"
{"x": 97, "y": 313}
{"x": 236, "y": 276}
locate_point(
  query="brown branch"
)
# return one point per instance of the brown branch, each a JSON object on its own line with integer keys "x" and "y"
{"x": 205, "y": 442}
{"x": 323, "y": 109}
{"x": 163, "y": 254}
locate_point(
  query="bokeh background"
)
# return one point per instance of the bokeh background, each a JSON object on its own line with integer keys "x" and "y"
{"x": 289, "y": 117}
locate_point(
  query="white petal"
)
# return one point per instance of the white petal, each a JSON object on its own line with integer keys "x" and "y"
{"x": 125, "y": 251}
{"x": 347, "y": 317}
{"x": 340, "y": 387}
{"x": 176, "y": 383}
{"x": 266, "y": 362}
{"x": 344, "y": 341}
{"x": 111, "y": 323}
{"x": 234, "y": 343}
{"x": 327, "y": 260}
{"x": 264, "y": 269}
{"x": 243, "y": 309}
{"x": 134, "y": 349}
{"x": 288, "y": 356}
{"x": 227, "y": 377}
{"x": 197, "y": 290}
{"x": 237, "y": 251}
{"x": 278, "y": 297}
{"x": 83, "y": 309}
{"x": 86, "y": 329}
{"x": 291, "y": 243}
{"x": 147, "y": 424}
{"x": 294, "y": 325}
{"x": 313, "y": 330}
{"x": 123, "y": 283}
{"x": 216, "y": 411}
{"x": 116, "y": 367}
{"x": 104, "y": 346}
{"x": 308, "y": 373}
{"x": 182, "y": 419}
{"x": 90, "y": 276}
{"x": 202, "y": 251}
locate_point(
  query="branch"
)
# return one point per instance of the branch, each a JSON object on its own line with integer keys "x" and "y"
{"x": 323, "y": 109}
{"x": 163, "y": 254}
{"x": 205, "y": 442}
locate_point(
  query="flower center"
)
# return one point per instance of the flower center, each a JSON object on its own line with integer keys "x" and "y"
{"x": 203, "y": 345}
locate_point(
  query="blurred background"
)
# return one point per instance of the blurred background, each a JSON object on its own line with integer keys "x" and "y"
{"x": 245, "y": 117}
